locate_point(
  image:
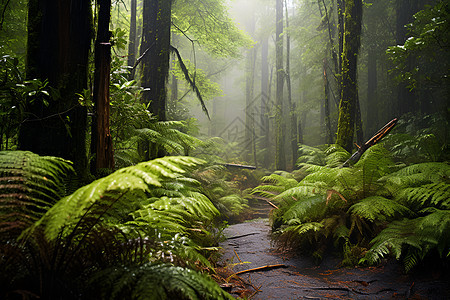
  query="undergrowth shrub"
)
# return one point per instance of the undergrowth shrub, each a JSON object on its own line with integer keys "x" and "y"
{"x": 368, "y": 211}
{"x": 144, "y": 227}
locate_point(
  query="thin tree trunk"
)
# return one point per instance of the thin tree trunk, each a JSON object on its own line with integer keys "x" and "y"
{"x": 293, "y": 114}
{"x": 280, "y": 162}
{"x": 265, "y": 96}
{"x": 372, "y": 107}
{"x": 349, "y": 96}
{"x": 326, "y": 86}
{"x": 101, "y": 142}
{"x": 132, "y": 39}
{"x": 249, "y": 83}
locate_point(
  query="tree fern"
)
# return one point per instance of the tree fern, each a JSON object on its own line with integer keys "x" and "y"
{"x": 335, "y": 156}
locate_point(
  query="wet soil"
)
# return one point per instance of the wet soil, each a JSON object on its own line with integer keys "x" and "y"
{"x": 248, "y": 246}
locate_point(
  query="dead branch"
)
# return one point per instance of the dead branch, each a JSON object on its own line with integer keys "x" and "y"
{"x": 263, "y": 268}
{"x": 267, "y": 200}
{"x": 239, "y": 166}
{"x": 243, "y": 235}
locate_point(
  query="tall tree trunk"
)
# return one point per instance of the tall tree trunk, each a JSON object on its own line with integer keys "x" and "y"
{"x": 101, "y": 142}
{"x": 280, "y": 162}
{"x": 155, "y": 64}
{"x": 265, "y": 96}
{"x": 406, "y": 99}
{"x": 326, "y": 86}
{"x": 292, "y": 107}
{"x": 249, "y": 83}
{"x": 132, "y": 39}
{"x": 349, "y": 95}
{"x": 59, "y": 39}
{"x": 341, "y": 9}
{"x": 372, "y": 109}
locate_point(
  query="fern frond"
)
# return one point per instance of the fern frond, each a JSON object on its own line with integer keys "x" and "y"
{"x": 306, "y": 210}
{"x": 156, "y": 281}
{"x": 417, "y": 236}
{"x": 418, "y": 174}
{"x": 434, "y": 194}
{"x": 335, "y": 156}
{"x": 123, "y": 187}
{"x": 377, "y": 208}
{"x": 310, "y": 155}
{"x": 29, "y": 185}
{"x": 274, "y": 184}
{"x": 303, "y": 228}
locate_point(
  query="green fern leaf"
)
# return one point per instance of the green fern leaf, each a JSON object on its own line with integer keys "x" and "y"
{"x": 29, "y": 185}
{"x": 156, "y": 281}
{"x": 306, "y": 210}
{"x": 377, "y": 208}
{"x": 434, "y": 194}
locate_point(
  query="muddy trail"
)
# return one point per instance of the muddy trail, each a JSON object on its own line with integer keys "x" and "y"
{"x": 252, "y": 268}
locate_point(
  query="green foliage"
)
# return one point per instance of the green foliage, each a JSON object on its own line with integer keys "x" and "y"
{"x": 377, "y": 208}
{"x": 133, "y": 219}
{"x": 413, "y": 238}
{"x": 349, "y": 207}
{"x": 208, "y": 22}
{"x": 310, "y": 155}
{"x": 167, "y": 282}
{"x": 29, "y": 186}
{"x": 427, "y": 44}
{"x": 220, "y": 186}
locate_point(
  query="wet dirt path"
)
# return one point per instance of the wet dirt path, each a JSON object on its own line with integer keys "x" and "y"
{"x": 248, "y": 246}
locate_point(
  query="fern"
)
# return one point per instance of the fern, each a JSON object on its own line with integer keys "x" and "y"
{"x": 433, "y": 194}
{"x": 414, "y": 238}
{"x": 274, "y": 184}
{"x": 306, "y": 210}
{"x": 310, "y": 155}
{"x": 29, "y": 185}
{"x": 377, "y": 208}
{"x": 335, "y": 156}
{"x": 155, "y": 281}
{"x": 417, "y": 174}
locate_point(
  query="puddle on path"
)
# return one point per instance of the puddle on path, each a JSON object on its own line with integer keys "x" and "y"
{"x": 248, "y": 246}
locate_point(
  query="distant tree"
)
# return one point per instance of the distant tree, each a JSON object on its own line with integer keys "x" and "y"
{"x": 349, "y": 93}
{"x": 280, "y": 124}
{"x": 132, "y": 38}
{"x": 59, "y": 39}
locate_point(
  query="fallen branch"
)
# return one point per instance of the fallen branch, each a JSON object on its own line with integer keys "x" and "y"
{"x": 263, "y": 268}
{"x": 372, "y": 141}
{"x": 265, "y": 199}
{"x": 243, "y": 235}
{"x": 239, "y": 166}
